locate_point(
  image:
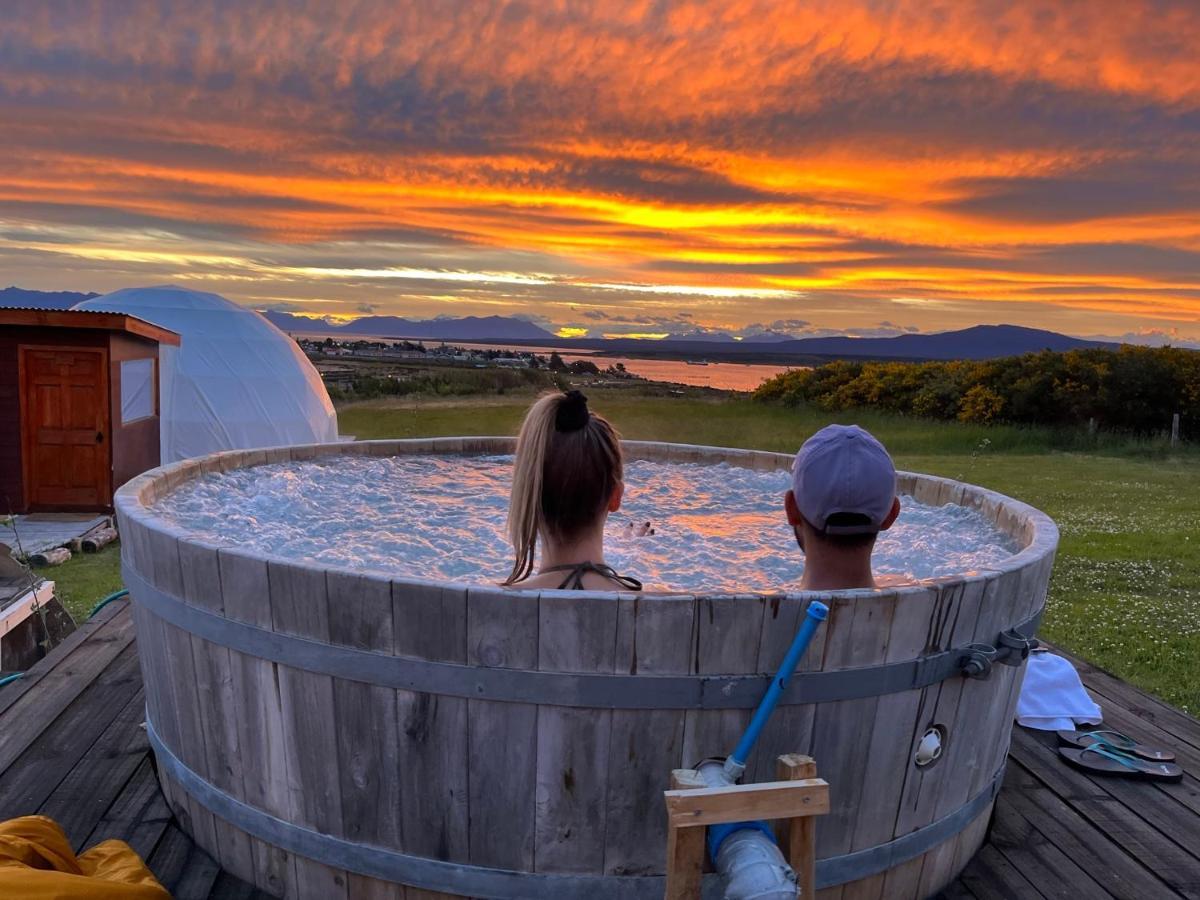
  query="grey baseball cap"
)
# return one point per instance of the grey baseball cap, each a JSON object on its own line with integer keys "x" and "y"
{"x": 843, "y": 469}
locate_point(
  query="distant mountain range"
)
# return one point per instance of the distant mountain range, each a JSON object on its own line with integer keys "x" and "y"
{"x": 978, "y": 342}
{"x": 469, "y": 328}
{"x": 15, "y": 296}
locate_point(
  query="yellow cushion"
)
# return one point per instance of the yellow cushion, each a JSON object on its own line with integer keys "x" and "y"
{"x": 37, "y": 863}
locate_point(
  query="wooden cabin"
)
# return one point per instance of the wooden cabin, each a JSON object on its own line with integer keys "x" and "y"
{"x": 79, "y": 407}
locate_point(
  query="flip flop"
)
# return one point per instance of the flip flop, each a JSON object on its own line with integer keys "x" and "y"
{"x": 1122, "y": 742}
{"x": 1102, "y": 759}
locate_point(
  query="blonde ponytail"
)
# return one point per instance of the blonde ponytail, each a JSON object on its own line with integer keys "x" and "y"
{"x": 567, "y": 465}
{"x": 525, "y": 505}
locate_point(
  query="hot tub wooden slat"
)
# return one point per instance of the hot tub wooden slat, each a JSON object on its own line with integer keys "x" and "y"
{"x": 982, "y": 730}
{"x": 654, "y": 637}
{"x": 918, "y": 786}
{"x": 918, "y": 623}
{"x": 573, "y": 743}
{"x": 931, "y": 792}
{"x": 245, "y": 593}
{"x": 431, "y": 623}
{"x": 959, "y": 616}
{"x": 179, "y": 684}
{"x": 368, "y": 739}
{"x": 305, "y": 699}
{"x": 727, "y": 634}
{"x": 200, "y": 570}
{"x": 502, "y": 631}
{"x": 299, "y": 605}
{"x": 1029, "y": 597}
{"x": 858, "y": 628}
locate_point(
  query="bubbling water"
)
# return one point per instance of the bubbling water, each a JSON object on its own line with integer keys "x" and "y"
{"x": 717, "y": 528}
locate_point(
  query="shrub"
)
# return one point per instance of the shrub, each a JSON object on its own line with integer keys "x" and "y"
{"x": 1131, "y": 389}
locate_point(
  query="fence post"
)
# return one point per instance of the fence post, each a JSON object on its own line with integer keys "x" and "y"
{"x": 1175, "y": 430}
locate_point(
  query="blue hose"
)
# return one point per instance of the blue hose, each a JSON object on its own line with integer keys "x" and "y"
{"x": 736, "y": 762}
{"x": 817, "y": 611}
{"x": 115, "y": 595}
{"x": 9, "y": 679}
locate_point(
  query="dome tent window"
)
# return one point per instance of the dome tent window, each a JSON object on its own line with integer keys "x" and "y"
{"x": 138, "y": 398}
{"x": 235, "y": 381}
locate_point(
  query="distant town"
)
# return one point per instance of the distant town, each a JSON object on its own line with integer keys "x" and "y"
{"x": 342, "y": 363}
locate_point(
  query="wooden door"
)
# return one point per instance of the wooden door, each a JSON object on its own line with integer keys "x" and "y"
{"x": 65, "y": 424}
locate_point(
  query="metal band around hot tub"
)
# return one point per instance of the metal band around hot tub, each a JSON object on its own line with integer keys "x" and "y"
{"x": 589, "y": 690}
{"x": 509, "y": 884}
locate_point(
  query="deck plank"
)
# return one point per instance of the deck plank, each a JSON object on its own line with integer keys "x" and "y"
{"x": 1039, "y": 859}
{"x": 1079, "y": 838}
{"x": 992, "y": 877}
{"x": 185, "y": 870}
{"x": 94, "y": 783}
{"x": 139, "y": 815}
{"x": 1123, "y": 826}
{"x": 29, "y": 781}
{"x": 1175, "y": 722}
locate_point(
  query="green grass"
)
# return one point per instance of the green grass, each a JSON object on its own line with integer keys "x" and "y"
{"x": 1126, "y": 588}
{"x": 85, "y": 579}
{"x": 721, "y": 420}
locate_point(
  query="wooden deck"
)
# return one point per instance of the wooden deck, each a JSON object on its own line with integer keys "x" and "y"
{"x": 41, "y": 531}
{"x": 72, "y": 747}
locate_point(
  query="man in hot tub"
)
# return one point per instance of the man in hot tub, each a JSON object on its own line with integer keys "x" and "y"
{"x": 843, "y": 494}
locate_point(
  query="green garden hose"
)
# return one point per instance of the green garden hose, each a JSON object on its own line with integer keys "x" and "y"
{"x": 115, "y": 595}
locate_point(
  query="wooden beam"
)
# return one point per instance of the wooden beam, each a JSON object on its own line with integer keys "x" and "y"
{"x": 685, "y": 846}
{"x": 739, "y": 802}
{"x": 798, "y": 837}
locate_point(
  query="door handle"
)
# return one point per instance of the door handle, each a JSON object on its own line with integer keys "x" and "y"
{"x": 99, "y": 437}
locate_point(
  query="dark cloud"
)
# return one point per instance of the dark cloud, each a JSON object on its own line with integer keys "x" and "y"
{"x": 1114, "y": 259}
{"x": 105, "y": 216}
{"x": 650, "y": 180}
{"x": 747, "y": 268}
{"x": 1104, "y": 192}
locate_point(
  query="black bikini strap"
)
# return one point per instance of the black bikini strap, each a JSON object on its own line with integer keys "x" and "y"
{"x": 574, "y": 579}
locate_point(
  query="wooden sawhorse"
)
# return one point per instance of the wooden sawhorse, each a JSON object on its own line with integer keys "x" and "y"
{"x": 795, "y": 798}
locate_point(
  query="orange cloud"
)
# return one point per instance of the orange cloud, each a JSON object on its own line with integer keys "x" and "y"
{"x": 828, "y": 158}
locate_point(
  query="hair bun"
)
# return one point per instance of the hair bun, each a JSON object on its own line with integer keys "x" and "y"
{"x": 572, "y": 412}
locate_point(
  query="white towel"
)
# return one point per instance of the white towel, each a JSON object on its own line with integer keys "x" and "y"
{"x": 1052, "y": 696}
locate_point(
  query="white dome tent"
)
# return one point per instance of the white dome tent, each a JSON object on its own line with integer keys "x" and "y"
{"x": 236, "y": 381}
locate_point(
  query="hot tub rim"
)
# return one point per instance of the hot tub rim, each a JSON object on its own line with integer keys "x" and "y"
{"x": 130, "y": 501}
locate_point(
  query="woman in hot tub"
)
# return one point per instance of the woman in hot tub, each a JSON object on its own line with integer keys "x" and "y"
{"x": 567, "y": 478}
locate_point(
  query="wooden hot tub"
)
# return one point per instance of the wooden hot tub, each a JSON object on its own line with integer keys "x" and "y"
{"x": 329, "y": 733}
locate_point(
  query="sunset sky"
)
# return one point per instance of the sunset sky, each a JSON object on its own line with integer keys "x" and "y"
{"x": 612, "y": 167}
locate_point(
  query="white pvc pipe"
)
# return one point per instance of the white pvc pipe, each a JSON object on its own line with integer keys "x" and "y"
{"x": 754, "y": 868}
{"x": 749, "y": 862}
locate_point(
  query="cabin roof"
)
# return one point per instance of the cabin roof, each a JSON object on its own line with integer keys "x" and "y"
{"x": 93, "y": 320}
